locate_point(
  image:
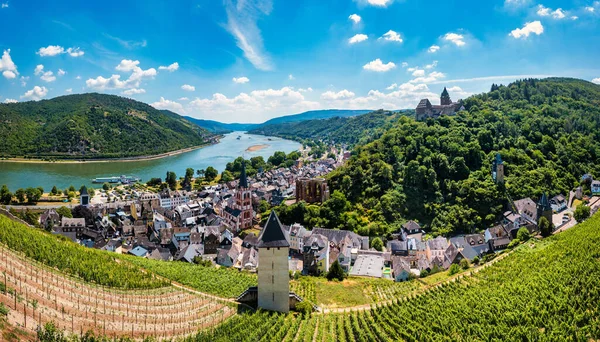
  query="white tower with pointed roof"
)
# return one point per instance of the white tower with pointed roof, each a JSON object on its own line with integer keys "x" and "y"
{"x": 273, "y": 269}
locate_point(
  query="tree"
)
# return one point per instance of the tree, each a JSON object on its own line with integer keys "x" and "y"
{"x": 71, "y": 189}
{"x": 226, "y": 176}
{"x": 377, "y": 244}
{"x": 64, "y": 212}
{"x": 33, "y": 195}
{"x": 582, "y": 212}
{"x": 464, "y": 264}
{"x": 277, "y": 158}
{"x": 154, "y": 182}
{"x": 171, "y": 180}
{"x": 336, "y": 272}
{"x": 211, "y": 173}
{"x": 20, "y": 194}
{"x": 54, "y": 191}
{"x": 305, "y": 308}
{"x": 5, "y": 195}
{"x": 200, "y": 172}
{"x": 81, "y": 211}
{"x": 454, "y": 268}
{"x": 545, "y": 227}
{"x": 523, "y": 234}
{"x": 263, "y": 206}
{"x": 187, "y": 180}
{"x": 106, "y": 186}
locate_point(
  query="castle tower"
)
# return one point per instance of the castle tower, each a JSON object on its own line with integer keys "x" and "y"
{"x": 273, "y": 269}
{"x": 498, "y": 169}
{"x": 544, "y": 209}
{"x": 445, "y": 98}
{"x": 243, "y": 200}
{"x": 84, "y": 197}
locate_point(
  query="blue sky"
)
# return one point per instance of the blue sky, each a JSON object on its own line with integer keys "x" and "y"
{"x": 251, "y": 60}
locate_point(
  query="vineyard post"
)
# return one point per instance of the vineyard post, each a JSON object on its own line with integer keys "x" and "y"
{"x": 25, "y": 314}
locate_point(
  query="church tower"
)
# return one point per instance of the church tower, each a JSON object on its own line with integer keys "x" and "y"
{"x": 498, "y": 169}
{"x": 243, "y": 200}
{"x": 84, "y": 197}
{"x": 445, "y": 98}
{"x": 273, "y": 269}
{"x": 544, "y": 209}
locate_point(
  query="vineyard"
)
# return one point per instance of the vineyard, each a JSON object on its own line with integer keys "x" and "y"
{"x": 547, "y": 290}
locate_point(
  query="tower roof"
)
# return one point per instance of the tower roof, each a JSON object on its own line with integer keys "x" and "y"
{"x": 445, "y": 92}
{"x": 544, "y": 203}
{"x": 273, "y": 234}
{"x": 84, "y": 191}
{"x": 498, "y": 158}
{"x": 243, "y": 179}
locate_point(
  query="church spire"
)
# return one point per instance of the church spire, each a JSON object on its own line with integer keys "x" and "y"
{"x": 243, "y": 179}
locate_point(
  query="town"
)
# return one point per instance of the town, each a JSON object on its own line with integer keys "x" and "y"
{"x": 220, "y": 224}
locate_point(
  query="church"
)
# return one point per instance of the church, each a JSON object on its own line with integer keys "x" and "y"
{"x": 239, "y": 215}
{"x": 426, "y": 110}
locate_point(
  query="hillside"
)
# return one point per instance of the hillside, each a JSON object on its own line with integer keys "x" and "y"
{"x": 439, "y": 171}
{"x": 93, "y": 126}
{"x": 543, "y": 291}
{"x": 343, "y": 130}
{"x": 219, "y": 127}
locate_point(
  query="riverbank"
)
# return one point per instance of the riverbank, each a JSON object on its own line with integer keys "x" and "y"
{"x": 106, "y": 160}
{"x": 255, "y": 148}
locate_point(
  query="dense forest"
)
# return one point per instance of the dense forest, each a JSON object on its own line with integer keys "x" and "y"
{"x": 439, "y": 171}
{"x": 92, "y": 126}
{"x": 338, "y": 130}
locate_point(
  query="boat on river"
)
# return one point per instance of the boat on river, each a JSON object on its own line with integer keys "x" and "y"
{"x": 115, "y": 180}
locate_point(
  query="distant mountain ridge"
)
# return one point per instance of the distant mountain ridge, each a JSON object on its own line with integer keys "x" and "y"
{"x": 219, "y": 127}
{"x": 91, "y": 126}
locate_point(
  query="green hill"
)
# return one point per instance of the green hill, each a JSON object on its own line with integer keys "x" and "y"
{"x": 439, "y": 171}
{"x": 343, "y": 130}
{"x": 93, "y": 126}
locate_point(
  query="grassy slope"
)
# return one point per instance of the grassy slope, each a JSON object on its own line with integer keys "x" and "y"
{"x": 95, "y": 124}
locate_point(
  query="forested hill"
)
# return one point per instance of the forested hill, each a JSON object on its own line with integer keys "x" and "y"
{"x": 93, "y": 126}
{"x": 439, "y": 171}
{"x": 338, "y": 130}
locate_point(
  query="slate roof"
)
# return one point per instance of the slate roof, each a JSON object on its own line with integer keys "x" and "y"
{"x": 412, "y": 226}
{"x": 233, "y": 212}
{"x": 243, "y": 179}
{"x": 272, "y": 234}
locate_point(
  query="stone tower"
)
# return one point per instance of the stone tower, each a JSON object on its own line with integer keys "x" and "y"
{"x": 544, "y": 209}
{"x": 445, "y": 98}
{"x": 243, "y": 200}
{"x": 273, "y": 269}
{"x": 84, "y": 197}
{"x": 498, "y": 169}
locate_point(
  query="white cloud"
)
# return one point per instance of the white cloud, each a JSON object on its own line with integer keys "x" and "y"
{"x": 305, "y": 90}
{"x": 51, "y": 50}
{"x": 432, "y": 65}
{"x": 5, "y": 5}
{"x": 55, "y": 50}
{"x": 183, "y": 99}
{"x": 596, "y": 80}
{"x": 432, "y": 77}
{"x": 75, "y": 52}
{"x": 78, "y": 77}
{"x": 24, "y": 80}
{"x": 404, "y": 64}
{"x": 574, "y": 17}
{"x": 411, "y": 69}
{"x": 128, "y": 44}
{"x": 9, "y": 74}
{"x": 188, "y": 87}
{"x": 35, "y": 94}
{"x": 169, "y": 105}
{"x": 392, "y": 36}
{"x": 340, "y": 95}
{"x": 515, "y": 3}
{"x": 241, "y": 80}
{"x": 433, "y": 49}
{"x": 48, "y": 76}
{"x": 377, "y": 3}
{"x": 69, "y": 90}
{"x": 355, "y": 18}
{"x": 10, "y": 101}
{"x": 61, "y": 72}
{"x": 534, "y": 27}
{"x": 458, "y": 92}
{"x": 378, "y": 66}
{"x": 558, "y": 14}
{"x": 392, "y": 86}
{"x": 590, "y": 9}
{"x": 358, "y": 38}
{"x": 114, "y": 81}
{"x": 418, "y": 73}
{"x": 456, "y": 39}
{"x": 291, "y": 77}
{"x": 170, "y": 68}
{"x": 242, "y": 17}
{"x": 134, "y": 91}
{"x": 7, "y": 66}
{"x": 543, "y": 11}
{"x": 38, "y": 69}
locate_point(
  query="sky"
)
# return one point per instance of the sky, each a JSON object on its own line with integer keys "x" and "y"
{"x": 252, "y": 60}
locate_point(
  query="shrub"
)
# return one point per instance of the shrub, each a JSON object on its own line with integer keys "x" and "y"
{"x": 305, "y": 308}
{"x": 336, "y": 272}
{"x": 377, "y": 244}
{"x": 464, "y": 264}
{"x": 523, "y": 234}
{"x": 514, "y": 243}
{"x": 453, "y": 269}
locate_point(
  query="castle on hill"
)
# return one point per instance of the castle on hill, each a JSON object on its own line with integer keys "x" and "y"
{"x": 426, "y": 110}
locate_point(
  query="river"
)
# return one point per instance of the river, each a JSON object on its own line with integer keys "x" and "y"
{"x": 23, "y": 175}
